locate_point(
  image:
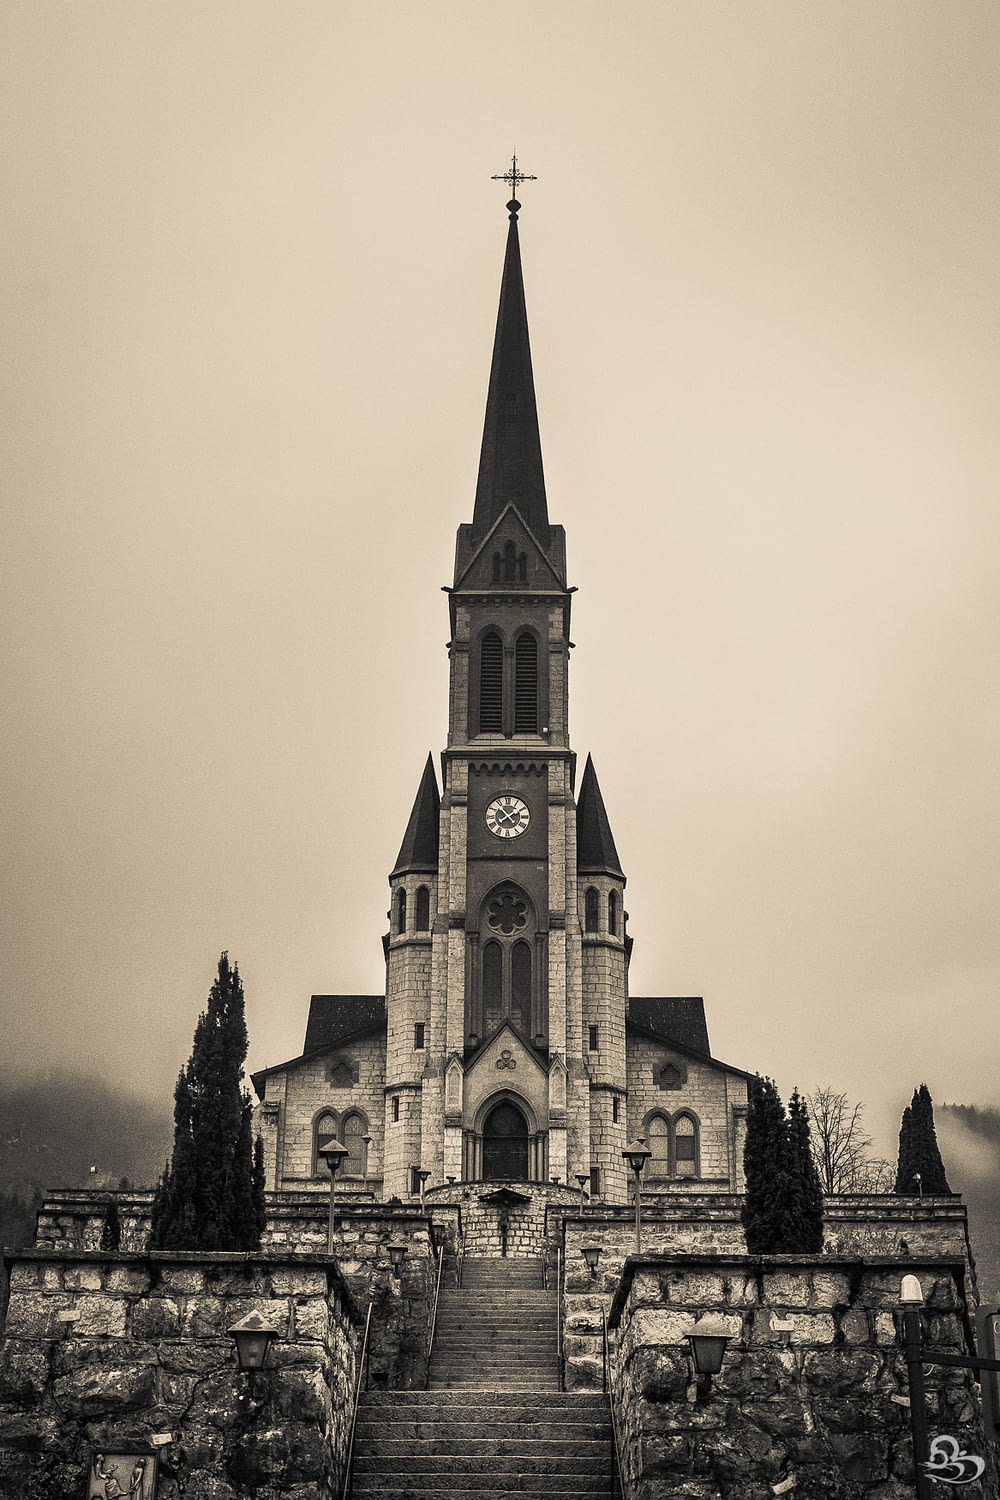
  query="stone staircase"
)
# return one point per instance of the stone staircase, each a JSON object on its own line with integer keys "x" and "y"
{"x": 493, "y": 1422}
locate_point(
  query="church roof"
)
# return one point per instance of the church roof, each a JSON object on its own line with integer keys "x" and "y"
{"x": 595, "y": 845}
{"x": 510, "y": 461}
{"x": 419, "y": 849}
{"x": 673, "y": 1018}
{"x": 334, "y": 1018}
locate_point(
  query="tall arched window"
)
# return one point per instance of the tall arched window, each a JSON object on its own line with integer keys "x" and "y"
{"x": 525, "y": 684}
{"x": 423, "y": 913}
{"x": 355, "y": 1128}
{"x": 658, "y": 1141}
{"x": 520, "y": 987}
{"x": 324, "y": 1126}
{"x": 401, "y": 910}
{"x": 492, "y": 986}
{"x": 491, "y": 684}
{"x": 590, "y": 910}
{"x": 509, "y": 562}
{"x": 505, "y": 960}
{"x": 613, "y": 913}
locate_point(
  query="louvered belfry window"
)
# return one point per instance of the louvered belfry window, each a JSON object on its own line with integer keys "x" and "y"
{"x": 491, "y": 685}
{"x": 526, "y": 684}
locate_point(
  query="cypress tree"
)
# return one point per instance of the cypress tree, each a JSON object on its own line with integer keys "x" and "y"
{"x": 804, "y": 1223}
{"x": 919, "y": 1156}
{"x": 766, "y": 1163}
{"x": 211, "y": 1194}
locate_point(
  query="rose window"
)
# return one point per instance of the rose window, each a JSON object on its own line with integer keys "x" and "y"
{"x": 507, "y": 913}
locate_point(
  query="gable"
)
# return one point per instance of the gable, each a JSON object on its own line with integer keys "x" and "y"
{"x": 487, "y": 567}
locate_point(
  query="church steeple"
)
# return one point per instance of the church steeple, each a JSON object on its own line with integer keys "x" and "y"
{"x": 510, "y": 461}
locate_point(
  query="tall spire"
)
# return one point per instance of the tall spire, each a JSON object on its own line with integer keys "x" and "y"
{"x": 510, "y": 463}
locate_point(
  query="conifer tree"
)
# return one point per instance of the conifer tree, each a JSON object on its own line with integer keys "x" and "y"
{"x": 211, "y": 1195}
{"x": 920, "y": 1168}
{"x": 783, "y": 1207}
{"x": 766, "y": 1168}
{"x": 804, "y": 1222}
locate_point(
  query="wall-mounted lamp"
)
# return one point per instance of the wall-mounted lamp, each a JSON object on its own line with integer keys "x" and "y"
{"x": 397, "y": 1250}
{"x": 637, "y": 1153}
{"x": 333, "y": 1153}
{"x": 591, "y": 1254}
{"x": 252, "y": 1336}
{"x": 707, "y": 1342}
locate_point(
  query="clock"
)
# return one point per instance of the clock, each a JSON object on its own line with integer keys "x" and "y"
{"x": 507, "y": 816}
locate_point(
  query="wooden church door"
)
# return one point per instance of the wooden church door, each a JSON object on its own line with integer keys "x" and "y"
{"x": 505, "y": 1144}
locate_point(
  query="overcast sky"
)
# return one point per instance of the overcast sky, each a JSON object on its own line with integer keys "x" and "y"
{"x": 251, "y": 261}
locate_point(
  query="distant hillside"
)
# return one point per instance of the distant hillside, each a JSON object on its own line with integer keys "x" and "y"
{"x": 65, "y": 1129}
{"x": 970, "y": 1145}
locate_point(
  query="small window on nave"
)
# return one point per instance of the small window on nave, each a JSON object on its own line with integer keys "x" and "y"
{"x": 324, "y": 1128}
{"x": 355, "y": 1129}
{"x": 685, "y": 1146}
{"x": 658, "y": 1141}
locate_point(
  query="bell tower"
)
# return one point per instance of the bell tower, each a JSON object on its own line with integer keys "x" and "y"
{"x": 501, "y": 1082}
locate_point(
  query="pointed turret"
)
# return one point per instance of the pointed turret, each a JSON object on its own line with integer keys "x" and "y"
{"x": 419, "y": 849}
{"x": 595, "y": 845}
{"x": 510, "y": 462}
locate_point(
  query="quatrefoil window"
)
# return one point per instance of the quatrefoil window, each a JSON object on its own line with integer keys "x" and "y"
{"x": 507, "y": 913}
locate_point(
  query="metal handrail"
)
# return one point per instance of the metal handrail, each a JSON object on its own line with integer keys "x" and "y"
{"x": 618, "y": 1488}
{"x": 361, "y": 1377}
{"x": 434, "y": 1306}
{"x": 559, "y": 1322}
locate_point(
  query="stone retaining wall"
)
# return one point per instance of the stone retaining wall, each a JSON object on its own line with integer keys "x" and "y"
{"x": 106, "y": 1353}
{"x": 811, "y": 1400}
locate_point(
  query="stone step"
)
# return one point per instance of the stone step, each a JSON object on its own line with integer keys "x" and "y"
{"x": 468, "y": 1451}
{"x": 412, "y": 1486}
{"x": 379, "y": 1489}
{"x": 392, "y": 1431}
{"x": 483, "y": 1461}
{"x": 567, "y": 1401}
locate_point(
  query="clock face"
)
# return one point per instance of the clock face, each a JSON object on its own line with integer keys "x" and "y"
{"x": 507, "y": 817}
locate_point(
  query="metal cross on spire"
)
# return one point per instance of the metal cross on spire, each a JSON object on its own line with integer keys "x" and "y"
{"x": 514, "y": 177}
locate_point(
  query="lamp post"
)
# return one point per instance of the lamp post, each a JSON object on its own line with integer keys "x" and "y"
{"x": 591, "y": 1253}
{"x": 943, "y": 1453}
{"x": 333, "y": 1153}
{"x": 367, "y": 1140}
{"x": 423, "y": 1175}
{"x": 582, "y": 1178}
{"x": 637, "y": 1153}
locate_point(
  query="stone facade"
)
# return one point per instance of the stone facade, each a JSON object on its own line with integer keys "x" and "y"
{"x": 811, "y": 1400}
{"x": 506, "y": 1011}
{"x": 130, "y": 1353}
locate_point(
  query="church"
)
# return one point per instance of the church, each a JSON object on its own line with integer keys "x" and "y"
{"x": 507, "y": 1046}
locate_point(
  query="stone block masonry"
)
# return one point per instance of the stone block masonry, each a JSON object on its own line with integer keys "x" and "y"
{"x": 811, "y": 1399}
{"x": 130, "y": 1353}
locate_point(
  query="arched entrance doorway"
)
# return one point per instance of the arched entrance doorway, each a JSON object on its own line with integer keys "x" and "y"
{"x": 505, "y": 1144}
